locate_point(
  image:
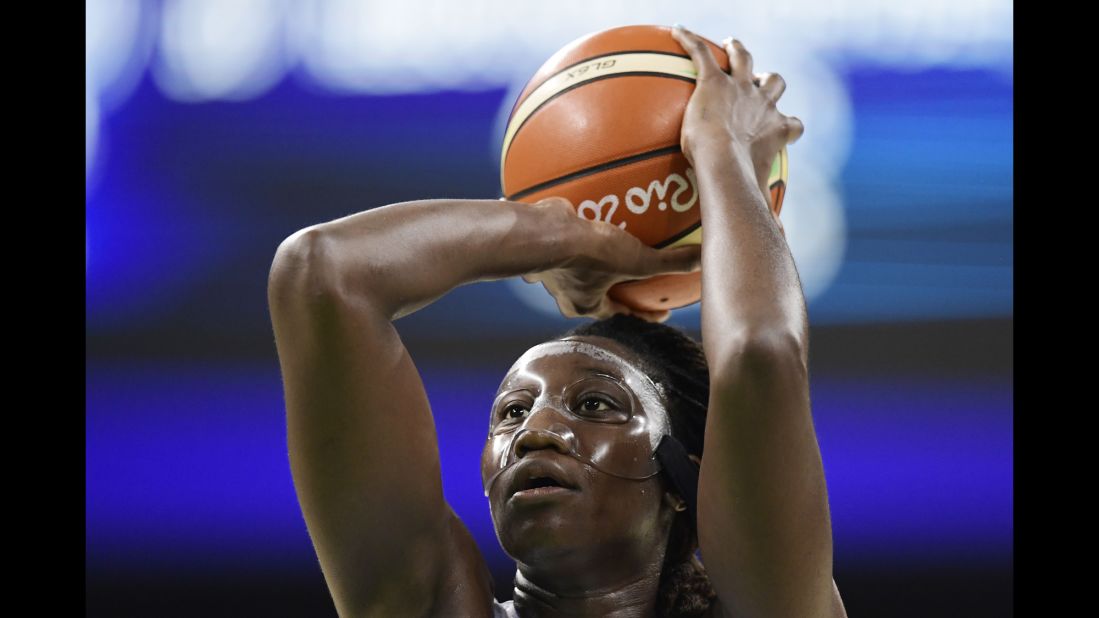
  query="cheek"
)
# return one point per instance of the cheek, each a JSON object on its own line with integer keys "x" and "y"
{"x": 617, "y": 495}
{"x": 492, "y": 454}
{"x": 488, "y": 461}
{"x": 625, "y": 509}
{"x": 629, "y": 451}
{"x": 494, "y": 448}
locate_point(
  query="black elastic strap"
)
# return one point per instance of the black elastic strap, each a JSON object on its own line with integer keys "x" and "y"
{"x": 682, "y": 472}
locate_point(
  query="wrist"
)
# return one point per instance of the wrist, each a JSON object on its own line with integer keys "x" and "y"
{"x": 548, "y": 233}
{"x": 725, "y": 156}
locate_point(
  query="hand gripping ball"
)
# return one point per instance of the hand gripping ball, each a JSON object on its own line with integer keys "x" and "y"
{"x": 599, "y": 124}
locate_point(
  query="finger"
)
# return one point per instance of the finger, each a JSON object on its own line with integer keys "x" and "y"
{"x": 597, "y": 306}
{"x": 794, "y": 129}
{"x": 772, "y": 85}
{"x": 699, "y": 52}
{"x": 686, "y": 259}
{"x": 573, "y": 310}
{"x": 740, "y": 60}
{"x": 649, "y": 261}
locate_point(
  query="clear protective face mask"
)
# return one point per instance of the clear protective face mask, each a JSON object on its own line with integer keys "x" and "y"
{"x": 610, "y": 424}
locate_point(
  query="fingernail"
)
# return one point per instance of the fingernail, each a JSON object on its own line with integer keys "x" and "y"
{"x": 677, "y": 26}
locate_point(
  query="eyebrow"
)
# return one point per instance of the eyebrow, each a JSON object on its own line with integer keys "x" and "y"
{"x": 590, "y": 369}
{"x": 601, "y": 371}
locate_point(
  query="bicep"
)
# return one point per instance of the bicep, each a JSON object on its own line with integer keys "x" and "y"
{"x": 362, "y": 451}
{"x": 764, "y": 527}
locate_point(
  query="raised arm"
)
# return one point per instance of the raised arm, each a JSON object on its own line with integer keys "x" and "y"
{"x": 361, "y": 436}
{"x": 764, "y": 526}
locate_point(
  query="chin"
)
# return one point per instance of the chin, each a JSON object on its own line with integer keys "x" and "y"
{"x": 546, "y": 537}
{"x": 527, "y": 539}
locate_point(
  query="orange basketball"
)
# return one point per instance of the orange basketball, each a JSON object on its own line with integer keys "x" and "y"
{"x": 598, "y": 124}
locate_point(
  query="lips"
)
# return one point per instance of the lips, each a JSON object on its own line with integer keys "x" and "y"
{"x": 534, "y": 473}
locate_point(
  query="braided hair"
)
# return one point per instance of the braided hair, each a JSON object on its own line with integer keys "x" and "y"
{"x": 674, "y": 360}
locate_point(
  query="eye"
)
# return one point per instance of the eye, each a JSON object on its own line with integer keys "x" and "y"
{"x": 592, "y": 403}
{"x": 509, "y": 410}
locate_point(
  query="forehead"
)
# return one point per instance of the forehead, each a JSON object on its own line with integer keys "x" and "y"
{"x": 578, "y": 354}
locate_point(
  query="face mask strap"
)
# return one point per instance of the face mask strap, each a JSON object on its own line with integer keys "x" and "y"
{"x": 682, "y": 471}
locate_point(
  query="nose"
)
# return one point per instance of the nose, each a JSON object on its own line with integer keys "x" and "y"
{"x": 543, "y": 429}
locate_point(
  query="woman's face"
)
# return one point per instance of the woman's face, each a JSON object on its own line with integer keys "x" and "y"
{"x": 568, "y": 464}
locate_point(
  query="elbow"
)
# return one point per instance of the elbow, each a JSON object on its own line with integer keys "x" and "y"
{"x": 776, "y": 342}
{"x": 760, "y": 350}
{"x": 302, "y": 268}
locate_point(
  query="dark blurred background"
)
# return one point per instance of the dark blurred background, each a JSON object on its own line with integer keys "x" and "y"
{"x": 216, "y": 129}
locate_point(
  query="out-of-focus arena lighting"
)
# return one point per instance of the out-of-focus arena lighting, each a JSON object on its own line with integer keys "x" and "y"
{"x": 117, "y": 42}
{"x": 812, "y": 215}
{"x": 211, "y": 49}
{"x": 91, "y": 126}
{"x": 236, "y": 49}
{"x": 371, "y": 47}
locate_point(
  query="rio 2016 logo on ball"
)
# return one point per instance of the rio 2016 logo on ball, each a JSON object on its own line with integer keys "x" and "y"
{"x": 599, "y": 124}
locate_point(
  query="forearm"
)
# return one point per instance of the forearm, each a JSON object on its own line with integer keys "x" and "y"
{"x": 763, "y": 510}
{"x": 751, "y": 290}
{"x": 404, "y": 256}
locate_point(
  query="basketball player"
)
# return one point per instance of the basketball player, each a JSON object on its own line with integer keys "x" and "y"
{"x": 593, "y": 466}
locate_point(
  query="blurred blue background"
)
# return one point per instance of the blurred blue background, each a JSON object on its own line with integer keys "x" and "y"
{"x": 216, "y": 129}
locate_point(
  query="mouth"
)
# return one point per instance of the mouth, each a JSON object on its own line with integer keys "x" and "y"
{"x": 540, "y": 477}
{"x": 540, "y": 492}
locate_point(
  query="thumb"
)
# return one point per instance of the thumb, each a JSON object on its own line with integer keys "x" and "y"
{"x": 686, "y": 259}
{"x": 647, "y": 261}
